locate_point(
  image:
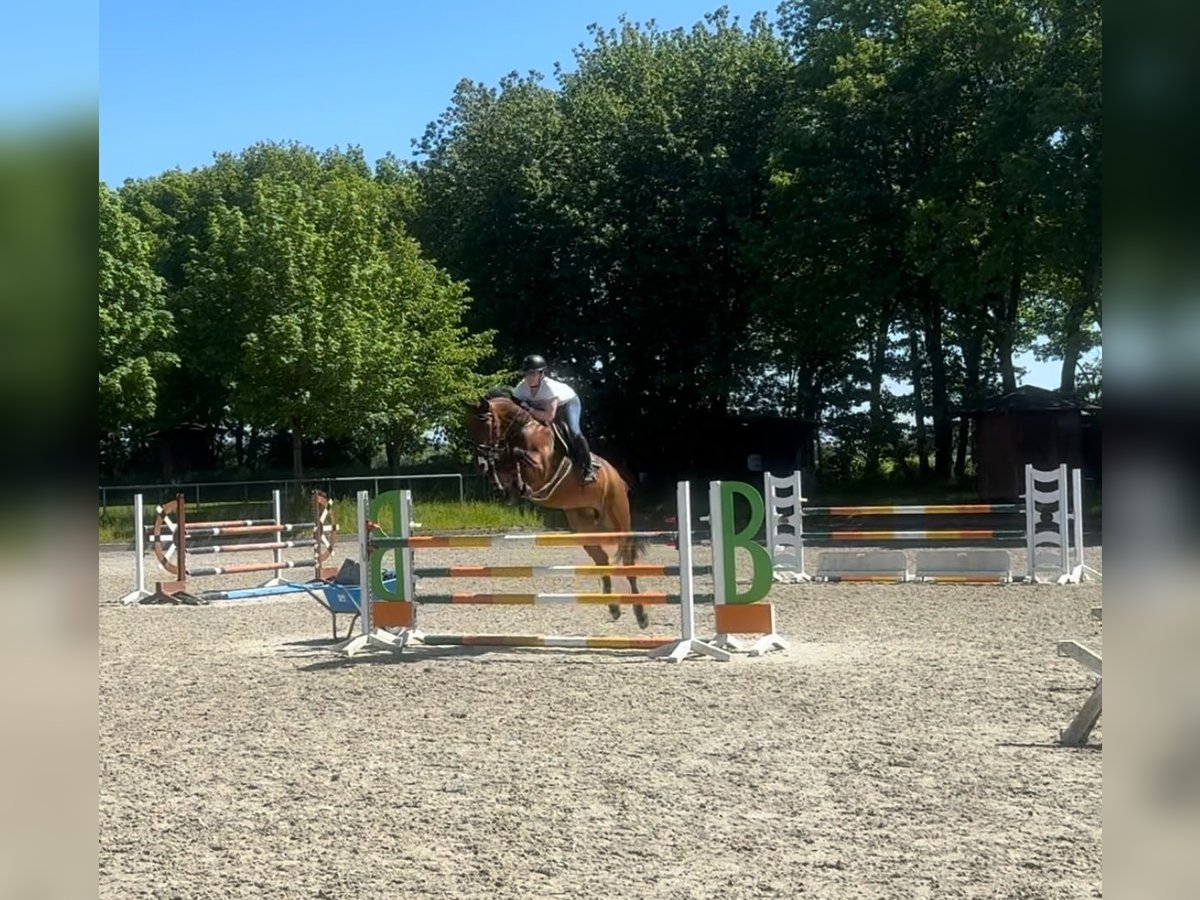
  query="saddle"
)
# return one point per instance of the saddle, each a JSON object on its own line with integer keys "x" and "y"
{"x": 562, "y": 438}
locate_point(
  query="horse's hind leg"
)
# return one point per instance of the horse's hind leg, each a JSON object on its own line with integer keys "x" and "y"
{"x": 639, "y": 611}
{"x": 627, "y": 553}
{"x": 590, "y": 520}
{"x": 600, "y": 558}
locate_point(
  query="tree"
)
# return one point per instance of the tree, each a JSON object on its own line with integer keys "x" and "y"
{"x": 306, "y": 306}
{"x": 135, "y": 326}
{"x": 913, "y": 166}
{"x": 602, "y": 223}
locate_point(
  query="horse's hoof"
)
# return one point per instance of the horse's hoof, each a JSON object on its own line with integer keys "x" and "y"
{"x": 643, "y": 620}
{"x": 614, "y": 610}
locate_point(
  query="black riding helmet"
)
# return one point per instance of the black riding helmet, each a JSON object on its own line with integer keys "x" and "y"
{"x": 533, "y": 363}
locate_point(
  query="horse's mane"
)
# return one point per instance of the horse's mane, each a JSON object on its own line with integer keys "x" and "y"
{"x": 521, "y": 416}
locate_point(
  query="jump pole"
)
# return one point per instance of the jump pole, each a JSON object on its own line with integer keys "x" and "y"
{"x": 376, "y": 636}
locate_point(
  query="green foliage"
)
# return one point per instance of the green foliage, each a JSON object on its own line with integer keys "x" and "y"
{"x": 921, "y": 183}
{"x": 857, "y": 216}
{"x": 135, "y": 326}
{"x": 308, "y": 308}
{"x": 450, "y": 516}
{"x": 602, "y": 223}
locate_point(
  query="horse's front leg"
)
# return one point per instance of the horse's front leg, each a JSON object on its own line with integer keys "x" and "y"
{"x": 524, "y": 456}
{"x": 522, "y": 488}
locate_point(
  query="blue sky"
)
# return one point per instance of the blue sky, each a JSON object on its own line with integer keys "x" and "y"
{"x": 180, "y": 81}
{"x": 48, "y": 60}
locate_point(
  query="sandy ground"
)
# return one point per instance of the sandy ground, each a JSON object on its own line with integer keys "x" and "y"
{"x": 904, "y": 747}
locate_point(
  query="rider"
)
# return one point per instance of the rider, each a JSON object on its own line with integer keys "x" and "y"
{"x": 548, "y": 399}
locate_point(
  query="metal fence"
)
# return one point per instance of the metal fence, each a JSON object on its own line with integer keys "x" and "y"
{"x": 259, "y": 491}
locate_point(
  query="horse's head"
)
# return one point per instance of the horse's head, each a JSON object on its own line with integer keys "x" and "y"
{"x": 495, "y": 424}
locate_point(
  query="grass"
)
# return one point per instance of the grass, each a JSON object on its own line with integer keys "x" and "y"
{"x": 435, "y": 516}
{"x": 439, "y": 516}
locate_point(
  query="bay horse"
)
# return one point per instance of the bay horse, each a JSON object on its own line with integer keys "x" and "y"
{"x": 526, "y": 459}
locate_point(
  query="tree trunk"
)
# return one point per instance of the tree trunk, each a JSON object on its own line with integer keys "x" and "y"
{"x": 1072, "y": 347}
{"x": 919, "y": 411}
{"x": 1073, "y": 331}
{"x": 875, "y": 411}
{"x": 1006, "y": 330}
{"x": 254, "y": 447}
{"x": 943, "y": 432}
{"x": 239, "y": 444}
{"x": 972, "y": 362}
{"x": 808, "y": 408}
{"x": 297, "y": 453}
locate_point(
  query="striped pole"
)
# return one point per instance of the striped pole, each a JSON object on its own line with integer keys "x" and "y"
{"x": 241, "y": 568}
{"x": 635, "y": 570}
{"x": 965, "y": 579}
{"x": 970, "y": 534}
{"x": 193, "y": 527}
{"x": 223, "y": 530}
{"x": 555, "y": 641}
{"x": 550, "y": 599}
{"x": 944, "y": 509}
{"x": 862, "y": 579}
{"x": 277, "y": 546}
{"x": 482, "y": 541}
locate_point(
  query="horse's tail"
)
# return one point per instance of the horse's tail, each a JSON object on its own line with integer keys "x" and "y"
{"x": 620, "y": 513}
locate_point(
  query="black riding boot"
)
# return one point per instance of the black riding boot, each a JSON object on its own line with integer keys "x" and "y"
{"x": 583, "y": 459}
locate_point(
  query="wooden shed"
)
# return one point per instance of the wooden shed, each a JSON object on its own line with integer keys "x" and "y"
{"x": 1032, "y": 425}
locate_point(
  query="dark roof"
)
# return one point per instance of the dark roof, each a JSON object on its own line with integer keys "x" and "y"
{"x": 1031, "y": 399}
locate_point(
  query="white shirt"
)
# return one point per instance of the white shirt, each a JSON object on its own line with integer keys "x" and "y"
{"x": 548, "y": 390}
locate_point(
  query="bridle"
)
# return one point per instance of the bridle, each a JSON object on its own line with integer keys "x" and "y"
{"x": 499, "y": 446}
{"x": 502, "y": 448}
